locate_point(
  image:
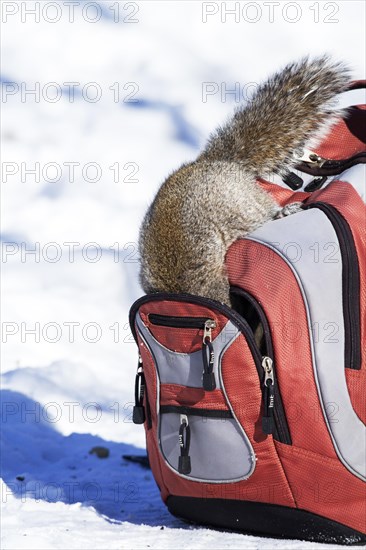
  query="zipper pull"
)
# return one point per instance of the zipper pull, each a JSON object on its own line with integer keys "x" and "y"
{"x": 292, "y": 180}
{"x": 184, "y": 462}
{"x": 138, "y": 414}
{"x": 267, "y": 365}
{"x": 208, "y": 377}
{"x": 311, "y": 158}
{"x": 268, "y": 396}
{"x": 315, "y": 184}
{"x": 207, "y": 329}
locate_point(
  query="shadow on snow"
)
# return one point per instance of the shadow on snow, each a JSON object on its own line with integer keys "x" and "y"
{"x": 39, "y": 463}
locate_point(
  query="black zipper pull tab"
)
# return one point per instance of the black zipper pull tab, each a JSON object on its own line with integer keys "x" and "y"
{"x": 184, "y": 462}
{"x": 268, "y": 396}
{"x": 315, "y": 184}
{"x": 138, "y": 414}
{"x": 292, "y": 180}
{"x": 208, "y": 378}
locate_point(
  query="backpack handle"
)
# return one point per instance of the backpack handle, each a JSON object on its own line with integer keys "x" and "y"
{"x": 356, "y": 85}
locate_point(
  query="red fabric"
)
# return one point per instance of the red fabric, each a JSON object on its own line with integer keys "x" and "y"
{"x": 324, "y": 486}
{"x": 178, "y": 339}
{"x": 356, "y": 383}
{"x": 348, "y": 136}
{"x": 265, "y": 275}
{"x": 173, "y": 394}
{"x": 282, "y": 195}
{"x": 151, "y": 433}
{"x": 294, "y": 476}
{"x": 311, "y": 463}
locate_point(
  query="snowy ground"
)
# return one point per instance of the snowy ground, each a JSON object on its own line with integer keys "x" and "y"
{"x": 68, "y": 385}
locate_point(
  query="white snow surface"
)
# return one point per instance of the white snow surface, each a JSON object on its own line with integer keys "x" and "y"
{"x": 64, "y": 391}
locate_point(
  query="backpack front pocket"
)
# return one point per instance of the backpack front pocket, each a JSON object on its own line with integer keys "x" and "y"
{"x": 198, "y": 433}
{"x": 204, "y": 444}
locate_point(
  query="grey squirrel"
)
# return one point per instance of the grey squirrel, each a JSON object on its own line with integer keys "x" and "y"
{"x": 204, "y": 206}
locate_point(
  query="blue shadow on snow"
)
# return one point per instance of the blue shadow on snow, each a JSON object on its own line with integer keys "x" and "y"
{"x": 40, "y": 463}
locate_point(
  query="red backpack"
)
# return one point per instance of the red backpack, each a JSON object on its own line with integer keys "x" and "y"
{"x": 255, "y": 415}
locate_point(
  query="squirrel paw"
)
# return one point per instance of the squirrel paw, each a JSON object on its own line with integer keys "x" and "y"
{"x": 289, "y": 209}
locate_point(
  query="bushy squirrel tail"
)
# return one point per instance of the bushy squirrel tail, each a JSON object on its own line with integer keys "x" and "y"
{"x": 292, "y": 107}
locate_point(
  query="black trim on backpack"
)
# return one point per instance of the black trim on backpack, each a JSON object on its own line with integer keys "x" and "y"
{"x": 262, "y": 519}
{"x": 282, "y": 432}
{"x": 350, "y": 284}
{"x": 174, "y": 321}
{"x": 194, "y": 411}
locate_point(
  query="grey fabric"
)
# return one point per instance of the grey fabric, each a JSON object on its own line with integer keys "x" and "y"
{"x": 297, "y": 239}
{"x": 186, "y": 368}
{"x": 218, "y": 450}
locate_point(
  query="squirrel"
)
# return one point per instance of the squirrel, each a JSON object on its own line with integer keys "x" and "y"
{"x": 206, "y": 205}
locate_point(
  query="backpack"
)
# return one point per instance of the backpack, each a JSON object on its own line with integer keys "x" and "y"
{"x": 255, "y": 414}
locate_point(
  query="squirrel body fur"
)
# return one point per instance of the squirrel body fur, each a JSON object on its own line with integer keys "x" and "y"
{"x": 206, "y": 205}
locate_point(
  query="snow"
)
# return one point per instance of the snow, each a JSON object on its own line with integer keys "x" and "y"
{"x": 68, "y": 385}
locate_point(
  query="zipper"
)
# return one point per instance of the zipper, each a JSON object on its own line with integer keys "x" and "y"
{"x": 319, "y": 166}
{"x": 311, "y": 158}
{"x": 237, "y": 319}
{"x": 180, "y": 322}
{"x": 195, "y": 411}
{"x": 202, "y": 323}
{"x": 271, "y": 395}
{"x": 282, "y": 433}
{"x": 184, "y": 433}
{"x": 268, "y": 396}
{"x": 208, "y": 377}
{"x": 350, "y": 283}
{"x": 184, "y": 461}
{"x": 138, "y": 413}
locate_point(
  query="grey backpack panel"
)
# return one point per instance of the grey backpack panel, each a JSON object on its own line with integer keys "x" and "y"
{"x": 321, "y": 286}
{"x": 218, "y": 450}
{"x": 186, "y": 368}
